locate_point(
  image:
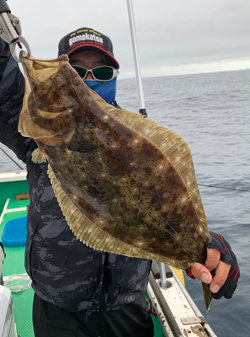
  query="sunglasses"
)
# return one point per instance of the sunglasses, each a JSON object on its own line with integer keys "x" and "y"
{"x": 102, "y": 73}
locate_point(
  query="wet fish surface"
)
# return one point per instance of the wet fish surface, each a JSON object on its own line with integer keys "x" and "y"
{"x": 125, "y": 184}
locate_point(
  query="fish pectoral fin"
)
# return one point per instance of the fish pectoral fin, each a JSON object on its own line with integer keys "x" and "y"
{"x": 38, "y": 157}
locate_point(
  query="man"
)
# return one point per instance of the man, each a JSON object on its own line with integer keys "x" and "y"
{"x": 80, "y": 291}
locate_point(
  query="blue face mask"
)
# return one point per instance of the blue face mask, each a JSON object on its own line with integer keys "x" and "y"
{"x": 106, "y": 90}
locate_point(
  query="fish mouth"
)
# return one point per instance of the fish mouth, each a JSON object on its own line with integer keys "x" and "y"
{"x": 62, "y": 135}
{"x": 55, "y": 139}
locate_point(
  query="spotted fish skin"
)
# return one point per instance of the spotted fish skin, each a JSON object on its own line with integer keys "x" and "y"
{"x": 125, "y": 184}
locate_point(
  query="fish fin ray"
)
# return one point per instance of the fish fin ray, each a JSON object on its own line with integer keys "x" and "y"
{"x": 38, "y": 156}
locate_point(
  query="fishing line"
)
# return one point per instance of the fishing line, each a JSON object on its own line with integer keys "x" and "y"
{"x": 175, "y": 233}
{"x": 225, "y": 188}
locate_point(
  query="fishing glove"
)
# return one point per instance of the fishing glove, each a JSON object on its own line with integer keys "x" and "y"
{"x": 227, "y": 255}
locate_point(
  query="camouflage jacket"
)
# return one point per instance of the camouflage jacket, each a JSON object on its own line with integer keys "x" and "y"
{"x": 63, "y": 270}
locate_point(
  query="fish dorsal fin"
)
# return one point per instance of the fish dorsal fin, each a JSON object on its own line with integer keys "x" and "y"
{"x": 171, "y": 144}
{"x": 92, "y": 235}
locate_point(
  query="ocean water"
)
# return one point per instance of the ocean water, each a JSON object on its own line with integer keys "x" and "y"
{"x": 211, "y": 111}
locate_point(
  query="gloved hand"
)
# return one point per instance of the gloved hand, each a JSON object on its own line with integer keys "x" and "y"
{"x": 4, "y": 52}
{"x": 228, "y": 256}
{"x": 229, "y": 272}
{"x": 4, "y": 55}
{"x": 3, "y": 45}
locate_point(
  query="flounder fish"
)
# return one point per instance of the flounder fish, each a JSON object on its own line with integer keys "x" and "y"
{"x": 125, "y": 184}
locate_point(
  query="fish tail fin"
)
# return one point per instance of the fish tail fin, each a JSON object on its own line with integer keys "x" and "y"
{"x": 38, "y": 156}
{"x": 207, "y": 295}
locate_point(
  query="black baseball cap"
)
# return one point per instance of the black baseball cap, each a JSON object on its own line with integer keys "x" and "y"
{"x": 87, "y": 38}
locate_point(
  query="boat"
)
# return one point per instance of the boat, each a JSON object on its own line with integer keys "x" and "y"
{"x": 173, "y": 311}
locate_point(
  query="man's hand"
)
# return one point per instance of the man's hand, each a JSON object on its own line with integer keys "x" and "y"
{"x": 222, "y": 261}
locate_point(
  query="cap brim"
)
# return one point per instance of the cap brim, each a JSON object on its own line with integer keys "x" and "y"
{"x": 91, "y": 46}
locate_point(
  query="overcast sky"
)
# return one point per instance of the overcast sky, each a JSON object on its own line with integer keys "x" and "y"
{"x": 174, "y": 37}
